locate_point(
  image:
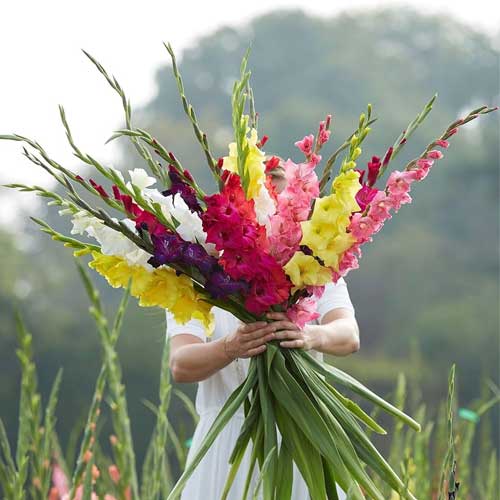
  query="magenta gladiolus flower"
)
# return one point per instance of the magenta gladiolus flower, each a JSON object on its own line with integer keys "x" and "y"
{"x": 364, "y": 196}
{"x": 373, "y": 170}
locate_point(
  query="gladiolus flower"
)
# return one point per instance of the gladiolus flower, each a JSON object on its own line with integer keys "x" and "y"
{"x": 435, "y": 154}
{"x": 362, "y": 227}
{"x": 304, "y": 269}
{"x": 306, "y": 144}
{"x": 99, "y": 188}
{"x": 379, "y": 208}
{"x": 365, "y": 196}
{"x": 373, "y": 170}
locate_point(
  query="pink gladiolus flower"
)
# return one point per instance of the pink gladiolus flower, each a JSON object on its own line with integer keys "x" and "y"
{"x": 379, "y": 207}
{"x": 324, "y": 134}
{"x": 442, "y": 143}
{"x": 314, "y": 159}
{"x": 398, "y": 199}
{"x": 306, "y": 144}
{"x": 424, "y": 165}
{"x": 399, "y": 182}
{"x": 347, "y": 262}
{"x": 303, "y": 311}
{"x": 362, "y": 227}
{"x": 435, "y": 154}
{"x": 59, "y": 479}
{"x": 294, "y": 206}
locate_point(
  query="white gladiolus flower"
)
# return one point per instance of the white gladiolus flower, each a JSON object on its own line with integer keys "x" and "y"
{"x": 190, "y": 227}
{"x": 85, "y": 223}
{"x": 155, "y": 196}
{"x": 140, "y": 178}
{"x": 264, "y": 207}
{"x": 112, "y": 242}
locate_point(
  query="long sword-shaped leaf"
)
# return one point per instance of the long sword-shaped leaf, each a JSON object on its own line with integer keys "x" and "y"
{"x": 228, "y": 410}
{"x": 333, "y": 374}
{"x": 310, "y": 418}
{"x": 263, "y": 471}
{"x": 363, "y": 446}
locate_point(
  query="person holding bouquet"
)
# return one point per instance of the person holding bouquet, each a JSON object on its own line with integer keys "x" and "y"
{"x": 219, "y": 364}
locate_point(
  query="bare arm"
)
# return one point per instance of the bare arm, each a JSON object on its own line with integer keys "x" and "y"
{"x": 338, "y": 333}
{"x": 192, "y": 360}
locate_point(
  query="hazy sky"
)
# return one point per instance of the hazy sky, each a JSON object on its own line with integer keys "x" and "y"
{"x": 42, "y": 65}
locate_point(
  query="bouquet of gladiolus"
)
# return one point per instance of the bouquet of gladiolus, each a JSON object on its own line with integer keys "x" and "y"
{"x": 250, "y": 250}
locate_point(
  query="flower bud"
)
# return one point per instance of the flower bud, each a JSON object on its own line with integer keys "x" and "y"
{"x": 356, "y": 153}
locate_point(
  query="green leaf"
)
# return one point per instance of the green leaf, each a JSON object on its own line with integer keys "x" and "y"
{"x": 307, "y": 416}
{"x": 335, "y": 375}
{"x": 263, "y": 473}
{"x": 304, "y": 454}
{"x": 270, "y": 436}
{"x": 284, "y": 473}
{"x": 228, "y": 410}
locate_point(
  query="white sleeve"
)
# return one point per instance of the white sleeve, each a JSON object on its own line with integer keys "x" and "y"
{"x": 192, "y": 327}
{"x": 335, "y": 295}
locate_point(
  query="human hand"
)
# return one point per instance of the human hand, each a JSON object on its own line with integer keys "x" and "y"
{"x": 249, "y": 339}
{"x": 290, "y": 335}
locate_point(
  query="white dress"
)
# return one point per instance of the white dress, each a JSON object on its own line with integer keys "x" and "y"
{"x": 207, "y": 481}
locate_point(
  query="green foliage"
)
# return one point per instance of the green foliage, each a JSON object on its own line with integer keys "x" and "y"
{"x": 38, "y": 452}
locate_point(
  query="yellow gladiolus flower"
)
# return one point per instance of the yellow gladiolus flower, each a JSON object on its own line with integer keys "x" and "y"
{"x": 335, "y": 248}
{"x": 316, "y": 234}
{"x": 305, "y": 270}
{"x": 254, "y": 166}
{"x": 158, "y": 288}
{"x": 330, "y": 210}
{"x": 345, "y": 186}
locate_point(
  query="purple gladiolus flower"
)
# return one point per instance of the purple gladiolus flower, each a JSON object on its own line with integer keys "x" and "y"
{"x": 195, "y": 255}
{"x": 220, "y": 285}
{"x": 168, "y": 249}
{"x": 187, "y": 193}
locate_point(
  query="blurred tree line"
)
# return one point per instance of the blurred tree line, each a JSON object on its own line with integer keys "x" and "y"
{"x": 428, "y": 294}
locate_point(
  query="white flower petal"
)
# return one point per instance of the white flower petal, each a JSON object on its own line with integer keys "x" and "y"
{"x": 140, "y": 178}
